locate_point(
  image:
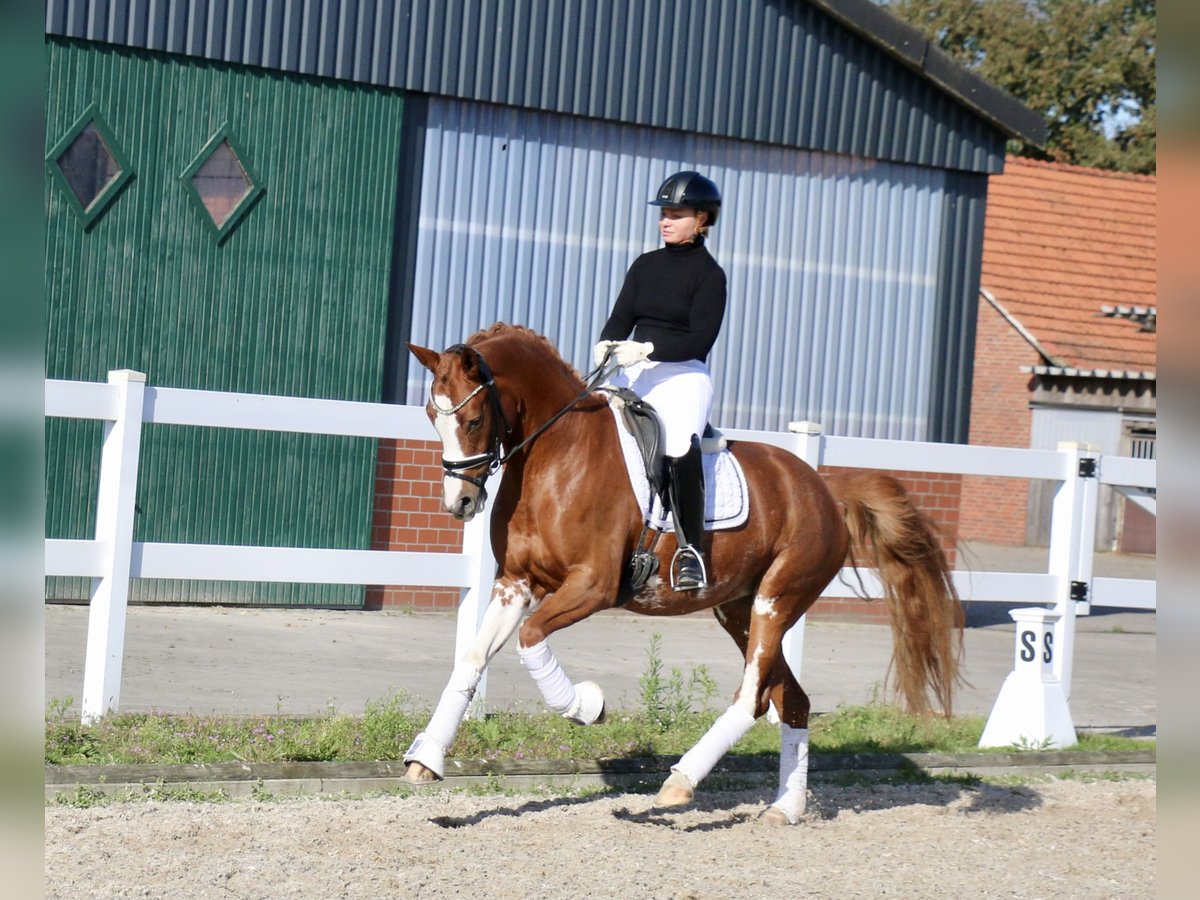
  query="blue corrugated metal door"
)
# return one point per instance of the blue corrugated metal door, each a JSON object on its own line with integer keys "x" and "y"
{"x": 832, "y": 260}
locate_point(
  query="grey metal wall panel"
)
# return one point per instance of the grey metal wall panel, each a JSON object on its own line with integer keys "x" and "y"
{"x": 959, "y": 267}
{"x": 833, "y": 261}
{"x": 774, "y": 71}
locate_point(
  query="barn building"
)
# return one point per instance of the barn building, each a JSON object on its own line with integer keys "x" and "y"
{"x": 274, "y": 197}
{"x": 1066, "y": 343}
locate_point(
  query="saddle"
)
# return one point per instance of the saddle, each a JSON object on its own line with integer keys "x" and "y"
{"x": 644, "y": 424}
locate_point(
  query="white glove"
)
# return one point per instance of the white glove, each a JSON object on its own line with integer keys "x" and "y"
{"x": 600, "y": 350}
{"x": 626, "y": 353}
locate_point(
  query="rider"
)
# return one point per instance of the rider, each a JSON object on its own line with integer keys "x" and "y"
{"x": 673, "y": 303}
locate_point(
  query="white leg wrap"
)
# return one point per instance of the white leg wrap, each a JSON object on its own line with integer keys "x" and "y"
{"x": 551, "y": 680}
{"x": 429, "y": 747}
{"x": 793, "y": 773}
{"x": 725, "y": 732}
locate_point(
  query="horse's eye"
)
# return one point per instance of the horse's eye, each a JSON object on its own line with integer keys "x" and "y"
{"x": 474, "y": 423}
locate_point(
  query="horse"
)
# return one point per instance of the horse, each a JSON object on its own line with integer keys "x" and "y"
{"x": 563, "y": 531}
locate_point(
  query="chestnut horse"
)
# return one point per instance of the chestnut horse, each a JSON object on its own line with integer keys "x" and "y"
{"x": 566, "y": 522}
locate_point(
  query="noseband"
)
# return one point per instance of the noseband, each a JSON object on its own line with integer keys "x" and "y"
{"x": 494, "y": 458}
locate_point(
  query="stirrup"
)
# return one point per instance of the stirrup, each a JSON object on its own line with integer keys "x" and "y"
{"x": 689, "y": 552}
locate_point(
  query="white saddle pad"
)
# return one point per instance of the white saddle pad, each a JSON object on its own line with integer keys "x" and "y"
{"x": 726, "y": 499}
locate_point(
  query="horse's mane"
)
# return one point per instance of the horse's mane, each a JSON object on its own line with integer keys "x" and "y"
{"x": 522, "y": 333}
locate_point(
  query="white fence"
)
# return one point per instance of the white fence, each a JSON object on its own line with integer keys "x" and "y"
{"x": 113, "y": 557}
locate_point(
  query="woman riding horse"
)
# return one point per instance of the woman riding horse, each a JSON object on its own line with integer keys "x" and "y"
{"x": 673, "y": 303}
{"x": 563, "y": 532}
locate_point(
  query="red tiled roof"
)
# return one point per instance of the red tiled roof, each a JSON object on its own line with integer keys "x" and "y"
{"x": 1061, "y": 243}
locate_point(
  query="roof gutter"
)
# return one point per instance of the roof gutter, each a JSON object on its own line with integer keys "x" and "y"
{"x": 913, "y": 49}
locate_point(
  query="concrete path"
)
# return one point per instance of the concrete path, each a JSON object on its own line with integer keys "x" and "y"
{"x": 230, "y": 660}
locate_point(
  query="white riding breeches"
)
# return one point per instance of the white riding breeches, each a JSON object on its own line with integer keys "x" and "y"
{"x": 680, "y": 392}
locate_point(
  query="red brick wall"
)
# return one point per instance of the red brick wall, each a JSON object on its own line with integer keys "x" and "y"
{"x": 994, "y": 509}
{"x": 409, "y": 516}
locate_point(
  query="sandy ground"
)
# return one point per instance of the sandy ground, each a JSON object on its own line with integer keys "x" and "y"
{"x": 1052, "y": 839}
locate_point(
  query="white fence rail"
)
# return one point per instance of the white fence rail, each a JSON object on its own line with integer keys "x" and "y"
{"x": 125, "y": 403}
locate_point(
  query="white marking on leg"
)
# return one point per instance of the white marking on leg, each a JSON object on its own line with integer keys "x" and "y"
{"x": 500, "y": 620}
{"x": 509, "y": 603}
{"x": 765, "y": 606}
{"x": 729, "y": 728}
{"x": 747, "y": 698}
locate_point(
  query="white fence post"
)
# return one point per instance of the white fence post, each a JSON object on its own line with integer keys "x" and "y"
{"x": 1072, "y": 545}
{"x": 477, "y": 545}
{"x": 114, "y": 531}
{"x": 809, "y": 447}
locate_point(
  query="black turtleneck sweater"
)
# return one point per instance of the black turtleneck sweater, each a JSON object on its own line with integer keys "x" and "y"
{"x": 673, "y": 297}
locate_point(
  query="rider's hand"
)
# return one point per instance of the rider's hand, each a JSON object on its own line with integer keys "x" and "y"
{"x": 600, "y": 350}
{"x": 626, "y": 353}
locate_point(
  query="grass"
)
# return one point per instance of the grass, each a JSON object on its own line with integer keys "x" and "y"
{"x": 383, "y": 732}
{"x": 676, "y": 708}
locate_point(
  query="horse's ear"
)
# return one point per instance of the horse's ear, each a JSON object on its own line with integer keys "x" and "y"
{"x": 428, "y": 358}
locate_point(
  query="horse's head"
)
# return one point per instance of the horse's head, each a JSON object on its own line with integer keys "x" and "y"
{"x": 465, "y": 409}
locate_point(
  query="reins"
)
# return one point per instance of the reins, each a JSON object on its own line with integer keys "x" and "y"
{"x": 495, "y": 457}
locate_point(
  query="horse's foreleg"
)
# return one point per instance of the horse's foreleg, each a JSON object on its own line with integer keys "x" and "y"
{"x": 582, "y": 703}
{"x": 579, "y": 596}
{"x": 425, "y": 758}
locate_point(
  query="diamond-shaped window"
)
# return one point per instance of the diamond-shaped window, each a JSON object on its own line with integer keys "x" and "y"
{"x": 89, "y": 166}
{"x": 221, "y": 183}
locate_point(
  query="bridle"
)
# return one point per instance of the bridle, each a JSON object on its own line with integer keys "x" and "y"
{"x": 495, "y": 456}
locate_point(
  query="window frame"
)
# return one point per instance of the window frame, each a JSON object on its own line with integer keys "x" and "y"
{"x": 100, "y": 204}
{"x": 252, "y": 196}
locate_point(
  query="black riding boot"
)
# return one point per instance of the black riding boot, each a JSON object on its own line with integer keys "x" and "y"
{"x": 687, "y": 507}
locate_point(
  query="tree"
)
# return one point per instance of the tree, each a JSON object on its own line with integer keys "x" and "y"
{"x": 1089, "y": 66}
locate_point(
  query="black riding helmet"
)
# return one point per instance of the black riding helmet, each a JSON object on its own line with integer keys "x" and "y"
{"x": 691, "y": 190}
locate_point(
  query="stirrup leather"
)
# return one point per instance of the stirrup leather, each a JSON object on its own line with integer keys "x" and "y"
{"x": 689, "y": 551}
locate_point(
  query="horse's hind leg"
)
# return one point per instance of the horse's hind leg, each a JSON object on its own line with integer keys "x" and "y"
{"x": 425, "y": 758}
{"x": 793, "y": 706}
{"x": 758, "y": 628}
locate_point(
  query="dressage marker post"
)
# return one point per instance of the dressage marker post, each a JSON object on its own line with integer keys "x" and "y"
{"x": 1032, "y": 708}
{"x": 113, "y": 558}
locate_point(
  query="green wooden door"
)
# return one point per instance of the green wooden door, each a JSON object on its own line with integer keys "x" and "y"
{"x": 235, "y": 236}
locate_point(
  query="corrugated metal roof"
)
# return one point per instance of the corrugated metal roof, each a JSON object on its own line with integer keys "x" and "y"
{"x": 817, "y": 75}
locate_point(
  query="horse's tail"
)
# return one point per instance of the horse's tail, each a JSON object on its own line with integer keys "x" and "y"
{"x": 888, "y": 532}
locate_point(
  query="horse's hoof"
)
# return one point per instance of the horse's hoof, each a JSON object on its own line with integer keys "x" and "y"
{"x": 419, "y": 774}
{"x": 773, "y": 815}
{"x": 677, "y": 790}
{"x": 589, "y": 704}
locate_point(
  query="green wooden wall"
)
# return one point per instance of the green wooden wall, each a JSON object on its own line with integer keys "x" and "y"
{"x": 293, "y": 301}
